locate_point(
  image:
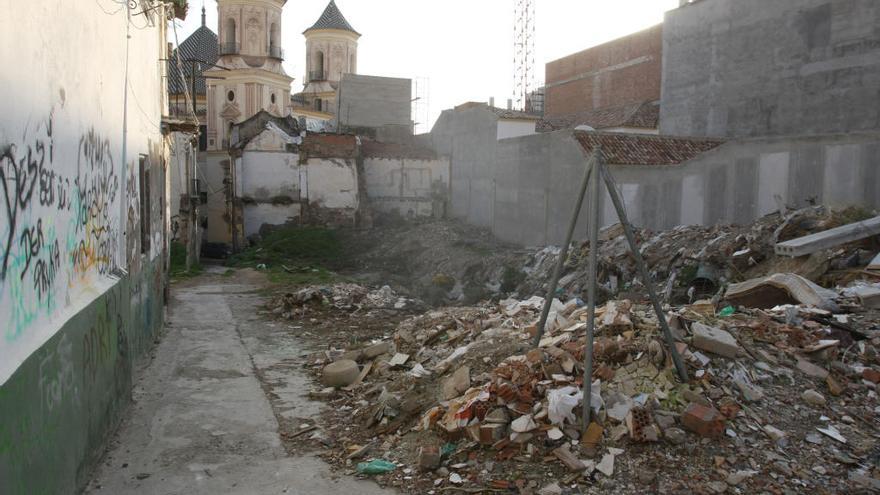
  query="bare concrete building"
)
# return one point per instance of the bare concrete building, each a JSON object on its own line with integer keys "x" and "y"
{"x": 759, "y": 68}
{"x": 378, "y": 106}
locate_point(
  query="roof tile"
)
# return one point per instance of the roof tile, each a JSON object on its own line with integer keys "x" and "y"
{"x": 644, "y": 149}
{"x": 332, "y": 18}
{"x": 644, "y": 115}
{"x": 202, "y": 46}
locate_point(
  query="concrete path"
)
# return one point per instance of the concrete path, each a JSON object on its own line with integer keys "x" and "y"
{"x": 201, "y": 422}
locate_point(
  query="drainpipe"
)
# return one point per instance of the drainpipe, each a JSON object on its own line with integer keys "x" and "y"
{"x": 124, "y": 162}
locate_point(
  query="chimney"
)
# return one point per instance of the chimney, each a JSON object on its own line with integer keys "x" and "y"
{"x": 492, "y": 101}
{"x": 510, "y": 104}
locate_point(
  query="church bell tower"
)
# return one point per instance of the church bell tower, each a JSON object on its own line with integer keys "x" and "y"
{"x": 248, "y": 76}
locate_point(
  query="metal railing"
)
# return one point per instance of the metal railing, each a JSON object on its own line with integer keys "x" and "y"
{"x": 230, "y": 48}
{"x": 316, "y": 75}
{"x": 276, "y": 52}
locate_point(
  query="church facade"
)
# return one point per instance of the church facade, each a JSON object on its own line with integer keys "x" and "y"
{"x": 249, "y": 76}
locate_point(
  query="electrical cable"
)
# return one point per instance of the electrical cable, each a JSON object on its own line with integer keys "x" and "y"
{"x": 141, "y": 109}
{"x": 189, "y": 98}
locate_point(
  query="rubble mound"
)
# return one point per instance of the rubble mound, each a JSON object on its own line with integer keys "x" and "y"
{"x": 778, "y": 400}
{"x": 688, "y": 263}
{"x": 439, "y": 261}
{"x": 348, "y": 297}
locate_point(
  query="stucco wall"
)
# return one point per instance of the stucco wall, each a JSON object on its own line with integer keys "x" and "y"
{"x": 81, "y": 291}
{"x": 275, "y": 188}
{"x": 216, "y": 210}
{"x": 270, "y": 187}
{"x": 759, "y": 68}
{"x": 407, "y": 186}
{"x": 515, "y": 128}
{"x": 331, "y": 183}
{"x": 524, "y": 188}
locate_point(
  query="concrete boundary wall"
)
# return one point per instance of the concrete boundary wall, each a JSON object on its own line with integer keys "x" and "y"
{"x": 410, "y": 187}
{"x": 524, "y": 188}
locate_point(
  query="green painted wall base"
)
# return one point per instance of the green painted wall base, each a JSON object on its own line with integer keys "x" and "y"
{"x": 60, "y": 406}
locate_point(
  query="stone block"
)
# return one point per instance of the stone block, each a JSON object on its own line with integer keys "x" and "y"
{"x": 457, "y": 384}
{"x": 715, "y": 340}
{"x": 377, "y": 350}
{"x": 340, "y": 373}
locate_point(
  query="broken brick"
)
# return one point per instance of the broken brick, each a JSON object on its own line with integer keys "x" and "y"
{"x": 703, "y": 420}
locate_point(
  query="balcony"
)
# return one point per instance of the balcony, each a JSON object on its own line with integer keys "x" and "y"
{"x": 316, "y": 75}
{"x": 230, "y": 48}
{"x": 298, "y": 100}
{"x": 276, "y": 52}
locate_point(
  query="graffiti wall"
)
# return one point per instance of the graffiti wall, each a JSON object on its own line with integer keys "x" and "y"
{"x": 60, "y": 233}
{"x": 83, "y": 216}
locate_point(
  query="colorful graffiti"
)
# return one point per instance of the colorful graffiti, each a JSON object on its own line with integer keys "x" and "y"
{"x": 59, "y": 220}
{"x": 97, "y": 187}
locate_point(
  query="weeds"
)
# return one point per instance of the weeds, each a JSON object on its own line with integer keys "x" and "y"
{"x": 294, "y": 256}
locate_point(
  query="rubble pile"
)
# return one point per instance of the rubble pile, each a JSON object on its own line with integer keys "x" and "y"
{"x": 343, "y": 297}
{"x": 439, "y": 261}
{"x": 689, "y": 263}
{"x": 779, "y": 400}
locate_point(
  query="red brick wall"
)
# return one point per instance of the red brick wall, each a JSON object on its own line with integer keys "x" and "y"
{"x": 626, "y": 70}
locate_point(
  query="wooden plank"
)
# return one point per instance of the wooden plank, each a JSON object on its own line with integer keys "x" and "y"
{"x": 830, "y": 238}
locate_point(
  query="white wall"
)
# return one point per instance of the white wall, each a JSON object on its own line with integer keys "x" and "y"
{"x": 515, "y": 128}
{"x": 331, "y": 183}
{"x": 215, "y": 210}
{"x": 408, "y": 186}
{"x": 70, "y": 211}
{"x": 268, "y": 180}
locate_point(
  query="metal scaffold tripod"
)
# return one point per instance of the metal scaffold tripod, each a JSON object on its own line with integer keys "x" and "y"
{"x": 594, "y": 173}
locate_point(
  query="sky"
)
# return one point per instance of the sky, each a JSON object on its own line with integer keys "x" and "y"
{"x": 454, "y": 50}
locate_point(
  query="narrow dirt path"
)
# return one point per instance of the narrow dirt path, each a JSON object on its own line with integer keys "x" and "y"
{"x": 202, "y": 422}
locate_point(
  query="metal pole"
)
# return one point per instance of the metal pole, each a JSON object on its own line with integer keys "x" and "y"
{"x": 563, "y": 254}
{"x": 643, "y": 272}
{"x": 591, "y": 288}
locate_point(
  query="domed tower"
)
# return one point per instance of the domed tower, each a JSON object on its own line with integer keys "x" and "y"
{"x": 248, "y": 76}
{"x": 331, "y": 51}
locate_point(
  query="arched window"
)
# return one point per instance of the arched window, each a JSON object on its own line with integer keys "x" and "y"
{"x": 230, "y": 31}
{"x": 318, "y": 104}
{"x": 273, "y": 35}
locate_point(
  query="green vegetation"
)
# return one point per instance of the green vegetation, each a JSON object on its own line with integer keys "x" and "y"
{"x": 178, "y": 263}
{"x": 295, "y": 256}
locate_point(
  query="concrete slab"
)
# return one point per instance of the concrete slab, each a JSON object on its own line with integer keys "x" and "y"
{"x": 830, "y": 238}
{"x": 201, "y": 422}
